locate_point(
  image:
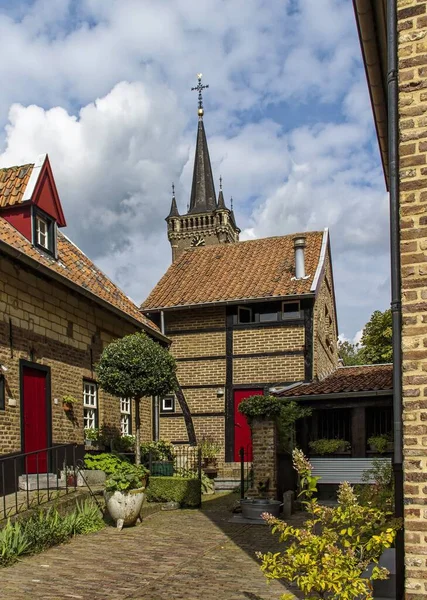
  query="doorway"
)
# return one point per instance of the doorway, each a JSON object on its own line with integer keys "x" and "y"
{"x": 242, "y": 431}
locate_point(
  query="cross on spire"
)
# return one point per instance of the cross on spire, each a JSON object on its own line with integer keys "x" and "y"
{"x": 173, "y": 190}
{"x": 220, "y": 182}
{"x": 199, "y": 88}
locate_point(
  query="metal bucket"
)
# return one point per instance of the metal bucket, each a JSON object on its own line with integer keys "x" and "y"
{"x": 253, "y": 509}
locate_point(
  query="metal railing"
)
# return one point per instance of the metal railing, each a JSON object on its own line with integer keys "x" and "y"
{"x": 246, "y": 471}
{"x": 34, "y": 478}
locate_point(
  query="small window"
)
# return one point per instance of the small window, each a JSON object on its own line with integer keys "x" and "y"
{"x": 266, "y": 317}
{"x": 44, "y": 232}
{"x": 125, "y": 416}
{"x": 244, "y": 314}
{"x": 168, "y": 404}
{"x": 90, "y": 405}
{"x": 2, "y": 398}
{"x": 291, "y": 310}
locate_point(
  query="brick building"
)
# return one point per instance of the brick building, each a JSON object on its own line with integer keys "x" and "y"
{"x": 243, "y": 317}
{"x": 58, "y": 310}
{"x": 395, "y": 59}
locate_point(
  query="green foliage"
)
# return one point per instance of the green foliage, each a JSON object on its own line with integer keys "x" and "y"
{"x": 160, "y": 450}
{"x": 68, "y": 399}
{"x": 185, "y": 490}
{"x": 350, "y": 354}
{"x": 380, "y": 493}
{"x": 209, "y": 447}
{"x": 324, "y": 446}
{"x": 92, "y": 434}
{"x": 136, "y": 366}
{"x": 127, "y": 477}
{"x": 291, "y": 411}
{"x": 380, "y": 443}
{"x": 13, "y": 543}
{"x": 328, "y": 556}
{"x": 207, "y": 484}
{"x": 46, "y": 529}
{"x": 106, "y": 462}
{"x": 377, "y": 338}
{"x": 124, "y": 443}
{"x": 264, "y": 407}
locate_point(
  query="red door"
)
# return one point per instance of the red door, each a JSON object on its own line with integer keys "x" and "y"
{"x": 35, "y": 426}
{"x": 242, "y": 431}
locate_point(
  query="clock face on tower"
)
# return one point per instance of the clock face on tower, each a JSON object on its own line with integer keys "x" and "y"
{"x": 198, "y": 240}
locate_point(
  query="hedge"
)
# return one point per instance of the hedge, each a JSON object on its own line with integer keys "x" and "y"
{"x": 184, "y": 490}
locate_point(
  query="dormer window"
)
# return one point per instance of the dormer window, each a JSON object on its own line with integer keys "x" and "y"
{"x": 44, "y": 232}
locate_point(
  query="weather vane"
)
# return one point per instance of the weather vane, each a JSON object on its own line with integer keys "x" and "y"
{"x": 173, "y": 190}
{"x": 220, "y": 182}
{"x": 199, "y": 88}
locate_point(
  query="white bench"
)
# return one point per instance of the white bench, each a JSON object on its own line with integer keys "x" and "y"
{"x": 337, "y": 470}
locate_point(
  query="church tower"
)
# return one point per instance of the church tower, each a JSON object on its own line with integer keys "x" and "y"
{"x": 208, "y": 221}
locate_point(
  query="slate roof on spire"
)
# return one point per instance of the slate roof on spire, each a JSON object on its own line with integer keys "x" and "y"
{"x": 174, "y": 209}
{"x": 203, "y": 197}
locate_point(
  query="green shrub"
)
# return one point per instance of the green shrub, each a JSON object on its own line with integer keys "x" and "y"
{"x": 266, "y": 407}
{"x": 380, "y": 443}
{"x": 106, "y": 462}
{"x": 13, "y": 543}
{"x": 185, "y": 490}
{"x": 127, "y": 477}
{"x": 325, "y": 446}
{"x": 377, "y": 489}
{"x": 328, "y": 556}
{"x": 207, "y": 484}
{"x": 45, "y": 529}
{"x": 160, "y": 450}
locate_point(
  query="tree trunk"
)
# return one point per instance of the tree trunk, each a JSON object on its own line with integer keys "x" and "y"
{"x": 187, "y": 416}
{"x": 137, "y": 432}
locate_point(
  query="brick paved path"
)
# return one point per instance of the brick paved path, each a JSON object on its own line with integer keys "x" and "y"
{"x": 176, "y": 555}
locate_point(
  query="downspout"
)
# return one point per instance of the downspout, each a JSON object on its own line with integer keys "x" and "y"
{"x": 396, "y": 306}
{"x": 156, "y": 399}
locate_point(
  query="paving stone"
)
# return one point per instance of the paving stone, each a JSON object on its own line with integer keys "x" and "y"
{"x": 185, "y": 554}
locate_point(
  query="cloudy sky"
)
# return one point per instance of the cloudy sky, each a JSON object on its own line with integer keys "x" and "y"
{"x": 103, "y": 86}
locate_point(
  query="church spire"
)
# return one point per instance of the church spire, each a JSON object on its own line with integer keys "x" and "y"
{"x": 174, "y": 209}
{"x": 203, "y": 197}
{"x": 221, "y": 201}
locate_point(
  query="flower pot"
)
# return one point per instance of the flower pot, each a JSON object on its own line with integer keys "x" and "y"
{"x": 210, "y": 463}
{"x": 67, "y": 407}
{"x": 163, "y": 468}
{"x": 124, "y": 507}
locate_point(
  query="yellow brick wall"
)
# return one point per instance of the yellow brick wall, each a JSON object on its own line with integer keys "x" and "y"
{"x": 58, "y": 328}
{"x": 412, "y": 25}
{"x": 208, "y": 372}
{"x": 268, "y": 369}
{"x": 206, "y": 344}
{"x": 249, "y": 341}
{"x": 325, "y": 357}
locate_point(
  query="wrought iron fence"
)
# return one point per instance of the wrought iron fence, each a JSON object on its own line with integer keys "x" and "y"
{"x": 34, "y": 478}
{"x": 184, "y": 461}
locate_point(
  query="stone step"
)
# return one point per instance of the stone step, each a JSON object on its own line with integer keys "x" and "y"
{"x": 226, "y": 483}
{"x": 45, "y": 480}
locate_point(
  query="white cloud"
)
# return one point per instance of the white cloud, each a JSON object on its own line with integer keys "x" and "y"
{"x": 103, "y": 87}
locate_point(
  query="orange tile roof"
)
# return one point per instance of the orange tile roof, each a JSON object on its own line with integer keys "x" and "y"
{"x": 254, "y": 269}
{"x": 13, "y": 181}
{"x": 74, "y": 266}
{"x": 366, "y": 378}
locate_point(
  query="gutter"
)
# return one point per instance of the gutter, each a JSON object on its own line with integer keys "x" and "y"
{"x": 396, "y": 306}
{"x": 339, "y": 395}
{"x": 35, "y": 265}
{"x": 226, "y": 302}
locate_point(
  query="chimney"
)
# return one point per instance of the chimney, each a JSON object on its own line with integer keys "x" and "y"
{"x": 299, "y": 245}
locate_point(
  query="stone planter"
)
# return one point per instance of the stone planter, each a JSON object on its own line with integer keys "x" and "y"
{"x": 254, "y": 508}
{"x": 124, "y": 507}
{"x": 90, "y": 477}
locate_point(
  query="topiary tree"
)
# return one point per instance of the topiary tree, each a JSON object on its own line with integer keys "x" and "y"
{"x": 133, "y": 367}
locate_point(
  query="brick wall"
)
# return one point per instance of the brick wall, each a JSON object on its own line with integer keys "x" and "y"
{"x": 264, "y": 444}
{"x": 325, "y": 355}
{"x": 412, "y": 25}
{"x": 62, "y": 330}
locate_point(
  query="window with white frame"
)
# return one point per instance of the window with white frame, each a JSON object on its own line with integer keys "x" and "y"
{"x": 125, "y": 416}
{"x": 42, "y": 232}
{"x": 90, "y": 405}
{"x": 168, "y": 404}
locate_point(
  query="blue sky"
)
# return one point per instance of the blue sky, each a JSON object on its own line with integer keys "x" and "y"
{"x": 104, "y": 88}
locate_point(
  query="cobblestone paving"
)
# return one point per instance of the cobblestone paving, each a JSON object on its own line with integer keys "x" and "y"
{"x": 174, "y": 555}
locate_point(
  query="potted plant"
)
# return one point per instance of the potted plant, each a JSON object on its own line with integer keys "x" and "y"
{"x": 209, "y": 449}
{"x": 124, "y": 493}
{"x": 381, "y": 443}
{"x": 91, "y": 436}
{"x": 68, "y": 402}
{"x": 159, "y": 456}
{"x": 326, "y": 446}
